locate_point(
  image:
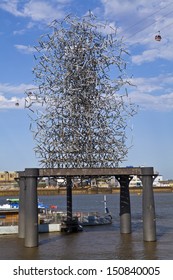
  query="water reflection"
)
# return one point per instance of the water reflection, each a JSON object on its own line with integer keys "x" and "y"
{"x": 125, "y": 248}
{"x": 150, "y": 251}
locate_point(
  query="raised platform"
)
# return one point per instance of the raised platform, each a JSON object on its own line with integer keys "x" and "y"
{"x": 43, "y": 172}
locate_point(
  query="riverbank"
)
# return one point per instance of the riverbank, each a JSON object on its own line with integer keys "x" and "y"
{"x": 85, "y": 190}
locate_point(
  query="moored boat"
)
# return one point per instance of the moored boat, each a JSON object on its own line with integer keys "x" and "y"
{"x": 50, "y": 216}
{"x": 13, "y": 203}
{"x": 9, "y": 211}
{"x": 94, "y": 219}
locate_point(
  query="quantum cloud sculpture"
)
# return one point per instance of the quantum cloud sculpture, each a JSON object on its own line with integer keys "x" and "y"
{"x": 79, "y": 106}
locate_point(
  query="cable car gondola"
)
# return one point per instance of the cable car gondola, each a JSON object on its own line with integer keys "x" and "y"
{"x": 17, "y": 103}
{"x": 158, "y": 37}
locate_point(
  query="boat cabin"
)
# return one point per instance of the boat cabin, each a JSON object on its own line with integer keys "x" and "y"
{"x": 9, "y": 217}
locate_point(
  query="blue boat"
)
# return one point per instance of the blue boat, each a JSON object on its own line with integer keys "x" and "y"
{"x": 13, "y": 203}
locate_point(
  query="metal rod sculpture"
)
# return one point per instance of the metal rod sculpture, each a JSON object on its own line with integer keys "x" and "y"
{"x": 80, "y": 116}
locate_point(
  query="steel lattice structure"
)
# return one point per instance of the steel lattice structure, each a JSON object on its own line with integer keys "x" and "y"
{"x": 80, "y": 118}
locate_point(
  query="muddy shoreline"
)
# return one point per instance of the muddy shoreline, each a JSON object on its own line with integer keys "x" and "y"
{"x": 76, "y": 191}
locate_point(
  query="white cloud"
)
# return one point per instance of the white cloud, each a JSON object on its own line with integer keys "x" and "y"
{"x": 37, "y": 10}
{"x": 14, "y": 89}
{"x": 161, "y": 103}
{"x": 146, "y": 56}
{"x": 11, "y": 103}
{"x": 10, "y": 95}
{"x": 11, "y": 7}
{"x": 150, "y": 93}
{"x": 148, "y": 84}
{"x": 41, "y": 11}
{"x": 164, "y": 51}
{"x": 128, "y": 11}
{"x": 118, "y": 6}
{"x": 25, "y": 49}
{"x": 19, "y": 32}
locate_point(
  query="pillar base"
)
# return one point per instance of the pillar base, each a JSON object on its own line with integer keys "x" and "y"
{"x": 125, "y": 223}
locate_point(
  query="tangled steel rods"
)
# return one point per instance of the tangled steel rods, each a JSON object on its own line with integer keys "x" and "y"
{"x": 79, "y": 115}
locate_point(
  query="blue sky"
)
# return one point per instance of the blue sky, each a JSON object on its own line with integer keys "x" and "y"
{"x": 22, "y": 22}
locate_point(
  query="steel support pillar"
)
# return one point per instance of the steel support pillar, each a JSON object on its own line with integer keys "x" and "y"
{"x": 149, "y": 220}
{"x": 125, "y": 208}
{"x": 31, "y": 208}
{"x": 22, "y": 188}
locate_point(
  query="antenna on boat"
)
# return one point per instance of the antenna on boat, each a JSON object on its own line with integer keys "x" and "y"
{"x": 105, "y": 204}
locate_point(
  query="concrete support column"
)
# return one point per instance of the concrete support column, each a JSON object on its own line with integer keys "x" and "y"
{"x": 125, "y": 208}
{"x": 69, "y": 200}
{"x": 149, "y": 220}
{"x": 21, "y": 224}
{"x": 31, "y": 208}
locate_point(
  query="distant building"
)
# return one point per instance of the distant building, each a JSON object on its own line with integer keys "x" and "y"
{"x": 135, "y": 182}
{"x": 107, "y": 182}
{"x": 158, "y": 181}
{"x": 8, "y": 177}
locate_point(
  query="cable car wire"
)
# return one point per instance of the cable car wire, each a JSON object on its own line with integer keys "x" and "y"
{"x": 149, "y": 17}
{"x": 150, "y": 24}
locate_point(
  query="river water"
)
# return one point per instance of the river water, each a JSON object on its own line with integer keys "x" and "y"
{"x": 99, "y": 242}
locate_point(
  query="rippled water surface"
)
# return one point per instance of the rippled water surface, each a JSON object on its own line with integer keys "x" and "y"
{"x": 99, "y": 242}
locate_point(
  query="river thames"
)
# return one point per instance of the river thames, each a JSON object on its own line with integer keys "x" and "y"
{"x": 99, "y": 242}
